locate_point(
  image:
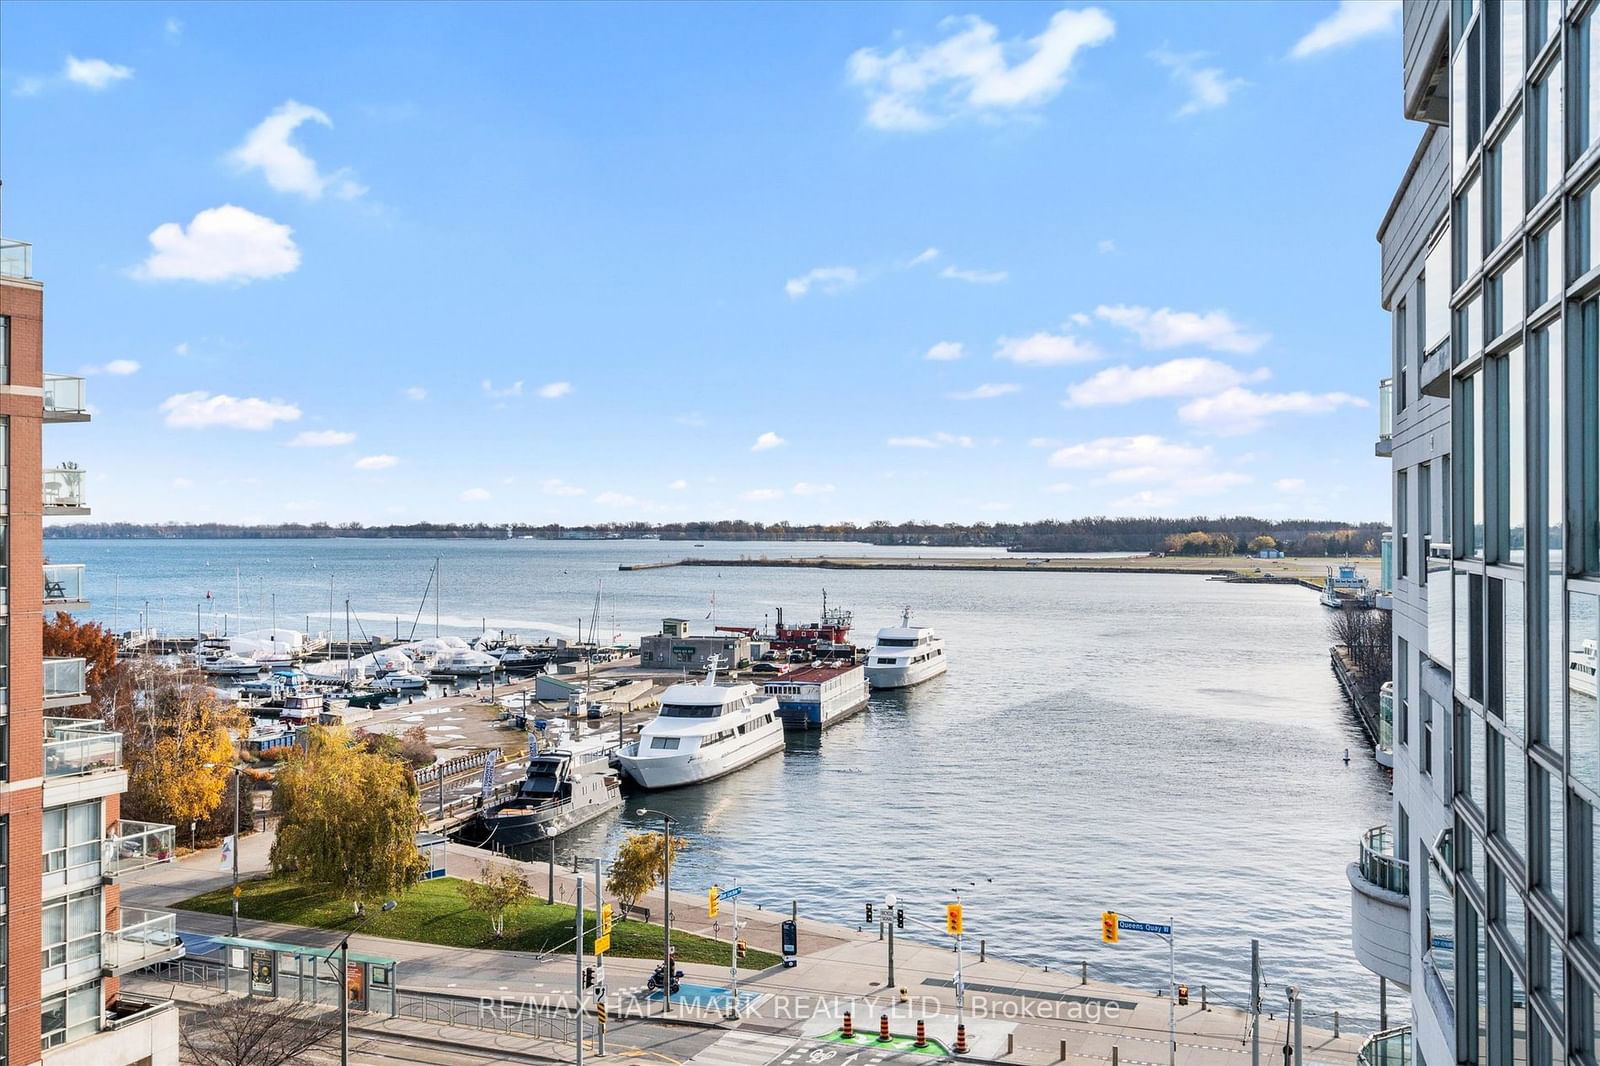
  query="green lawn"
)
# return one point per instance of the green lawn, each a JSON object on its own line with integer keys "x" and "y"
{"x": 435, "y": 912}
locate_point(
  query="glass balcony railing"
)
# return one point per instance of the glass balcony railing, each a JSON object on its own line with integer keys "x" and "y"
{"x": 1385, "y": 409}
{"x": 63, "y": 487}
{"x": 1392, "y": 1047}
{"x": 131, "y": 846}
{"x": 63, "y": 583}
{"x": 1378, "y": 864}
{"x": 77, "y": 746}
{"x": 1386, "y": 716}
{"x": 64, "y": 396}
{"x": 16, "y": 259}
{"x": 1441, "y": 597}
{"x": 145, "y": 937}
{"x": 65, "y": 679}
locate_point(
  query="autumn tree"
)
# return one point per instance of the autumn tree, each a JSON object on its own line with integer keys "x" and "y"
{"x": 498, "y": 889}
{"x": 350, "y": 819}
{"x": 640, "y": 864}
{"x": 177, "y": 744}
{"x": 1262, "y": 543}
{"x": 67, "y": 638}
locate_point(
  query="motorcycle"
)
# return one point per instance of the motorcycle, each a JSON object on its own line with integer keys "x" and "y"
{"x": 656, "y": 982}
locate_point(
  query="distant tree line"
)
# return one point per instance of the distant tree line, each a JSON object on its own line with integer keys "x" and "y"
{"x": 1221, "y": 535}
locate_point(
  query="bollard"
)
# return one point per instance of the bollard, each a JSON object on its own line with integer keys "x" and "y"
{"x": 922, "y": 1033}
{"x": 883, "y": 1028}
{"x": 848, "y": 1030}
{"x": 1203, "y": 998}
{"x": 961, "y": 1039}
{"x": 1335, "y": 1025}
{"x": 1011, "y": 1043}
{"x": 1085, "y": 978}
{"x": 905, "y": 996}
{"x": 1113, "y": 1055}
{"x": 983, "y": 950}
{"x": 1063, "y": 1057}
{"x": 1288, "y": 1055}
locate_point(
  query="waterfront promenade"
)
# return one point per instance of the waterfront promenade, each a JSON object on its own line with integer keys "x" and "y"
{"x": 1015, "y": 1013}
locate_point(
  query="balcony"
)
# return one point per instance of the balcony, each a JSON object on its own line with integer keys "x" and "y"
{"x": 16, "y": 259}
{"x": 1385, "y": 446}
{"x": 1380, "y": 907}
{"x": 1392, "y": 1047}
{"x": 131, "y": 846}
{"x": 1385, "y": 747}
{"x": 144, "y": 939}
{"x": 63, "y": 490}
{"x": 63, "y": 586}
{"x": 1433, "y": 378}
{"x": 65, "y": 683}
{"x": 64, "y": 399}
{"x": 74, "y": 747}
{"x": 132, "y": 1030}
{"x": 1441, "y": 598}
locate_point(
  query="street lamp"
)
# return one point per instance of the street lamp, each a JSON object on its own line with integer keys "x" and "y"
{"x": 551, "y": 834}
{"x": 344, "y": 982}
{"x": 890, "y": 902}
{"x": 667, "y": 822}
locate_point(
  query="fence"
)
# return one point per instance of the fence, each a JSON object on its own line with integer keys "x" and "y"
{"x": 451, "y": 767}
{"x": 517, "y": 1016}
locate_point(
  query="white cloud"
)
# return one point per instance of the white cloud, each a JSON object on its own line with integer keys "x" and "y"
{"x": 474, "y": 495}
{"x": 754, "y": 495}
{"x": 1106, "y": 246}
{"x": 986, "y": 392}
{"x": 286, "y": 167}
{"x": 1354, "y": 20}
{"x": 809, "y": 488}
{"x": 932, "y": 440}
{"x": 513, "y": 389}
{"x": 182, "y": 484}
{"x": 1208, "y": 88}
{"x": 29, "y": 85}
{"x": 376, "y": 462}
{"x": 927, "y": 255}
{"x": 556, "y": 487}
{"x": 555, "y": 390}
{"x": 1195, "y": 376}
{"x": 616, "y": 499}
{"x": 969, "y": 73}
{"x": 1121, "y": 455}
{"x": 678, "y": 485}
{"x": 202, "y": 410}
{"x": 116, "y": 368}
{"x": 1058, "y": 487}
{"x": 224, "y": 243}
{"x": 416, "y": 392}
{"x": 1166, "y": 328}
{"x": 1290, "y": 485}
{"x": 827, "y": 280}
{"x": 768, "y": 441}
{"x": 181, "y": 348}
{"x": 322, "y": 438}
{"x": 1239, "y": 410}
{"x": 1043, "y": 442}
{"x": 94, "y": 74}
{"x": 1046, "y": 349}
{"x": 173, "y": 28}
{"x": 974, "y": 277}
{"x": 946, "y": 351}
{"x": 693, "y": 419}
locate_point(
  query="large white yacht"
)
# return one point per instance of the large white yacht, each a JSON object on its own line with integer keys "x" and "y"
{"x": 905, "y": 655}
{"x": 1581, "y": 668}
{"x": 702, "y": 732}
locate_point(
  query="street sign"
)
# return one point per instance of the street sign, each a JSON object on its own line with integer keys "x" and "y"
{"x": 1108, "y": 927}
{"x": 1143, "y": 927}
{"x": 711, "y": 901}
{"x": 602, "y": 943}
{"x": 605, "y": 920}
{"x": 731, "y": 893}
{"x": 952, "y": 919}
{"x": 600, "y": 1012}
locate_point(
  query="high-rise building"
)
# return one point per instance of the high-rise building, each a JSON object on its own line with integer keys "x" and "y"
{"x": 64, "y": 938}
{"x": 1483, "y": 896}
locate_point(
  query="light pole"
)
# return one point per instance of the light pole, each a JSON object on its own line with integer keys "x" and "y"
{"x": 890, "y": 901}
{"x": 344, "y": 982}
{"x": 236, "y": 851}
{"x": 666, "y": 905}
{"x": 550, "y": 833}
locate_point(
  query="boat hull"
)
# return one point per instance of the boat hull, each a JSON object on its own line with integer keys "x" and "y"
{"x": 905, "y": 676}
{"x": 656, "y": 772}
{"x": 813, "y": 716}
{"x": 508, "y": 828}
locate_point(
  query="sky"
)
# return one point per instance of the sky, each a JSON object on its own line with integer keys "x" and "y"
{"x": 827, "y": 262}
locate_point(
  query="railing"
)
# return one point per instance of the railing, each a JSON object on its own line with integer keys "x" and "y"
{"x": 1379, "y": 865}
{"x": 145, "y": 935}
{"x": 63, "y": 487}
{"x": 1441, "y": 597}
{"x": 1386, "y": 716}
{"x": 1386, "y": 409}
{"x": 65, "y": 678}
{"x": 63, "y": 582}
{"x": 16, "y": 259}
{"x": 505, "y": 1016}
{"x": 186, "y": 971}
{"x": 64, "y": 395}
{"x": 75, "y": 746}
{"x": 1392, "y": 1047}
{"x": 134, "y": 845}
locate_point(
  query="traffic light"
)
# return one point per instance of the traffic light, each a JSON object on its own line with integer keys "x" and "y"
{"x": 1183, "y": 995}
{"x": 952, "y": 919}
{"x": 605, "y": 919}
{"x": 711, "y": 901}
{"x": 741, "y": 949}
{"x": 900, "y": 917}
{"x": 588, "y": 977}
{"x": 1108, "y": 927}
{"x": 869, "y": 912}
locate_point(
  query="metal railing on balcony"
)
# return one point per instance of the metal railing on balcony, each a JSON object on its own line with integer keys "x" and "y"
{"x": 1385, "y": 409}
{"x": 1378, "y": 863}
{"x": 1391, "y": 1047}
{"x": 145, "y": 937}
{"x": 16, "y": 259}
{"x": 75, "y": 746}
{"x": 63, "y": 583}
{"x": 65, "y": 679}
{"x": 1386, "y": 716}
{"x": 63, "y": 488}
{"x": 64, "y": 395}
{"x": 131, "y": 846}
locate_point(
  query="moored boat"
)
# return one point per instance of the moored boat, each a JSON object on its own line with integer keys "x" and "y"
{"x": 905, "y": 655}
{"x": 702, "y": 732}
{"x": 558, "y": 793}
{"x": 815, "y": 697}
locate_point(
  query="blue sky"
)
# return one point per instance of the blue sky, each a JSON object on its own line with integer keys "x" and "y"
{"x": 824, "y": 262}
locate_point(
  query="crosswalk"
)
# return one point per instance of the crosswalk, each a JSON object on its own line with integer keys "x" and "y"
{"x": 740, "y": 1048}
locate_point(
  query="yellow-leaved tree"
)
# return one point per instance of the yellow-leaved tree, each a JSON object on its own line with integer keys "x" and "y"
{"x": 640, "y": 863}
{"x": 350, "y": 819}
{"x": 177, "y": 745}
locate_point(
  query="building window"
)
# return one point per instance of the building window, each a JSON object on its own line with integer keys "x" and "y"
{"x": 1402, "y": 506}
{"x": 1544, "y": 253}
{"x": 1469, "y": 635}
{"x": 72, "y": 844}
{"x": 1469, "y": 464}
{"x": 1580, "y": 233}
{"x": 1492, "y": 163}
{"x": 1580, "y": 76}
{"x": 1402, "y": 342}
{"x": 1583, "y": 635}
{"x": 1425, "y": 756}
{"x": 70, "y": 937}
{"x": 70, "y": 1015}
{"x": 1402, "y": 690}
{"x": 1586, "y": 463}
{"x": 1438, "y": 923}
{"x": 1510, "y": 436}
{"x": 1538, "y": 25}
{"x": 5, "y": 348}
{"x": 1546, "y": 848}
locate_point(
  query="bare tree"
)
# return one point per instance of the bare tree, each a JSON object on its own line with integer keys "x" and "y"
{"x": 1365, "y": 635}
{"x": 238, "y": 1031}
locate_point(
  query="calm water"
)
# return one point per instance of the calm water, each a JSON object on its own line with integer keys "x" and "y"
{"x": 1165, "y": 746}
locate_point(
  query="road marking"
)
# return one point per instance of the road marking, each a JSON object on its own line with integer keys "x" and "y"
{"x": 743, "y": 1049}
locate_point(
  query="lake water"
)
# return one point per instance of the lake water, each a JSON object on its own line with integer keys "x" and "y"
{"x": 1161, "y": 745}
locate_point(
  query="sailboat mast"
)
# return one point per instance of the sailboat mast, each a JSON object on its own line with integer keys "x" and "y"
{"x": 435, "y": 595}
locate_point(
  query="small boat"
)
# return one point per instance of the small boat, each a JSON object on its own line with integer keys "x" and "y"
{"x": 366, "y": 700}
{"x": 400, "y": 681}
{"x": 1344, "y": 585}
{"x": 703, "y": 732}
{"x": 231, "y": 666}
{"x": 905, "y": 655}
{"x": 815, "y": 697}
{"x": 262, "y": 688}
{"x": 465, "y": 663}
{"x": 1581, "y": 666}
{"x": 556, "y": 794}
{"x": 522, "y": 661}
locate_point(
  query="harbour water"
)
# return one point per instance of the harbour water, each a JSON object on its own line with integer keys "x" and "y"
{"x": 1165, "y": 746}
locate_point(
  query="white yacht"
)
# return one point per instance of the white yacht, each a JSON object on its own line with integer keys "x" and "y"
{"x": 1581, "y": 666}
{"x": 400, "y": 681}
{"x": 703, "y": 732}
{"x": 466, "y": 663}
{"x": 905, "y": 655}
{"x": 232, "y": 666}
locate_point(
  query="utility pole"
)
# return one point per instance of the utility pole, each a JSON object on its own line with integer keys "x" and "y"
{"x": 1297, "y": 1044}
{"x": 235, "y": 851}
{"x": 890, "y": 902}
{"x": 344, "y": 1002}
{"x": 1172, "y": 993}
{"x": 577, "y": 1030}
{"x": 1255, "y": 1002}
{"x": 599, "y": 959}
